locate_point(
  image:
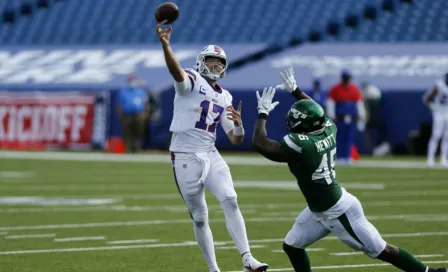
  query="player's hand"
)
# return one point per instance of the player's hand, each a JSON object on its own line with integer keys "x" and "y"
{"x": 289, "y": 82}
{"x": 235, "y": 115}
{"x": 431, "y": 106}
{"x": 163, "y": 34}
{"x": 265, "y": 104}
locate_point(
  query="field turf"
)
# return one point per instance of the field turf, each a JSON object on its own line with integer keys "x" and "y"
{"x": 93, "y": 213}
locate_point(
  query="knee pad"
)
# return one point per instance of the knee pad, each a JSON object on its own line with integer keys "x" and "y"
{"x": 230, "y": 204}
{"x": 200, "y": 217}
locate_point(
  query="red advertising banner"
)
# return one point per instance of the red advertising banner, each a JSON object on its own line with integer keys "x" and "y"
{"x": 40, "y": 120}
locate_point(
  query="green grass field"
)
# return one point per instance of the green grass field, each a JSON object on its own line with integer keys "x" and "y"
{"x": 91, "y": 216}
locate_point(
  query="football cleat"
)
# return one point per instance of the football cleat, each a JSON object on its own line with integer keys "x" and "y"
{"x": 250, "y": 264}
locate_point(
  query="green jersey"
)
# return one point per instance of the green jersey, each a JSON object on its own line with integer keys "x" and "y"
{"x": 315, "y": 169}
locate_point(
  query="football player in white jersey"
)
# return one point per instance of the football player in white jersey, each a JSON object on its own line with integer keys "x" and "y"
{"x": 437, "y": 100}
{"x": 200, "y": 104}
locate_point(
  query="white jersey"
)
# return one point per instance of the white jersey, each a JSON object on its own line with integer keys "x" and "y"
{"x": 198, "y": 108}
{"x": 441, "y": 99}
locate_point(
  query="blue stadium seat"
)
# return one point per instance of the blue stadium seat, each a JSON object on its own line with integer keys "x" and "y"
{"x": 217, "y": 21}
{"x": 200, "y": 21}
{"x": 422, "y": 21}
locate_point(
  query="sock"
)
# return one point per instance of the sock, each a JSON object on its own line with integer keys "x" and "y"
{"x": 444, "y": 150}
{"x": 298, "y": 258}
{"x": 204, "y": 237}
{"x": 406, "y": 262}
{"x": 432, "y": 146}
{"x": 235, "y": 224}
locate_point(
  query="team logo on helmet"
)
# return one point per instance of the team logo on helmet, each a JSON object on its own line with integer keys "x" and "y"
{"x": 297, "y": 114}
{"x": 217, "y": 49}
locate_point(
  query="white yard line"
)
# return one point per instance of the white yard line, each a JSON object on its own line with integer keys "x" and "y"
{"x": 346, "y": 266}
{"x": 165, "y": 158}
{"x": 404, "y": 193}
{"x": 410, "y": 217}
{"x": 361, "y": 253}
{"x": 292, "y": 184}
{"x": 193, "y": 243}
{"x": 247, "y": 208}
{"x": 346, "y": 253}
{"x": 234, "y": 247}
{"x": 16, "y": 175}
{"x": 429, "y": 255}
{"x": 140, "y": 241}
{"x": 308, "y": 250}
{"x": 76, "y": 239}
{"x": 31, "y": 236}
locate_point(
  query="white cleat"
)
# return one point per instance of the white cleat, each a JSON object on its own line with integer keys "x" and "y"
{"x": 250, "y": 264}
{"x": 430, "y": 163}
{"x": 444, "y": 163}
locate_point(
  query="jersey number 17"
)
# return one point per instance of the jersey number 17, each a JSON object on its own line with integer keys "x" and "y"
{"x": 202, "y": 123}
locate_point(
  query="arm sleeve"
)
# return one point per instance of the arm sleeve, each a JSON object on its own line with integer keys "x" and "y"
{"x": 291, "y": 146}
{"x": 361, "y": 109}
{"x": 331, "y": 108}
{"x": 186, "y": 86}
{"x": 227, "y": 124}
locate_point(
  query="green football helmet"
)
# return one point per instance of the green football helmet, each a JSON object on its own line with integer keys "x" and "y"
{"x": 305, "y": 116}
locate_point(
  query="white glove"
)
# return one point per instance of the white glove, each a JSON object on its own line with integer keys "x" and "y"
{"x": 289, "y": 82}
{"x": 265, "y": 104}
{"x": 431, "y": 106}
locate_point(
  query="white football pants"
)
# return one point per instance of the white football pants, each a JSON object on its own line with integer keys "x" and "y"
{"x": 439, "y": 131}
{"x": 352, "y": 228}
{"x": 190, "y": 168}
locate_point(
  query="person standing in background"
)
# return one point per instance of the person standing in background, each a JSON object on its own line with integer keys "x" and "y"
{"x": 436, "y": 99}
{"x": 132, "y": 109}
{"x": 346, "y": 107}
{"x": 153, "y": 111}
{"x": 317, "y": 93}
{"x": 374, "y": 125}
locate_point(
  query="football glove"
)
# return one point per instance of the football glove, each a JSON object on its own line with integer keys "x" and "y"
{"x": 265, "y": 104}
{"x": 289, "y": 82}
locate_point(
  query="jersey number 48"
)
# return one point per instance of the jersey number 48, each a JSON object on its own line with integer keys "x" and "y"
{"x": 202, "y": 123}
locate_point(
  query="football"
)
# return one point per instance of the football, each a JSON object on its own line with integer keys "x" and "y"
{"x": 168, "y": 12}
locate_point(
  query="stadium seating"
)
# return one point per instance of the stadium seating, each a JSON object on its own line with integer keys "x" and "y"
{"x": 423, "y": 21}
{"x": 200, "y": 21}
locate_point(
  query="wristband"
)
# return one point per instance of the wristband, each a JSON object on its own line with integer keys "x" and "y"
{"x": 262, "y": 116}
{"x": 238, "y": 131}
{"x": 297, "y": 92}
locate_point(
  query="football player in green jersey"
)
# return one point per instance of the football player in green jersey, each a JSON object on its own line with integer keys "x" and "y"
{"x": 309, "y": 149}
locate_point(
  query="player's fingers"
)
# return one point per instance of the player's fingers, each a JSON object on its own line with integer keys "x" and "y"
{"x": 169, "y": 29}
{"x": 284, "y": 75}
{"x": 258, "y": 95}
{"x": 240, "y": 105}
{"x": 281, "y": 86}
{"x": 275, "y": 104}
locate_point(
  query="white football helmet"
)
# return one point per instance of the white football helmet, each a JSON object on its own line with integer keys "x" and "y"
{"x": 211, "y": 51}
